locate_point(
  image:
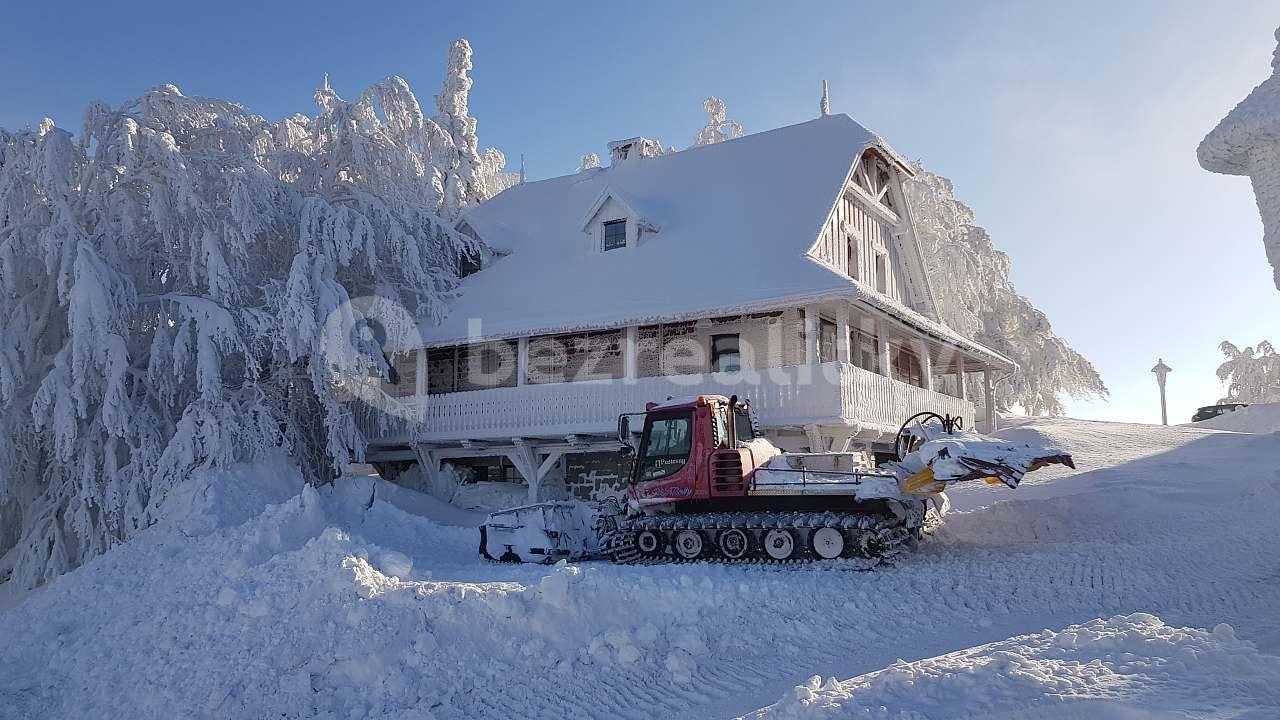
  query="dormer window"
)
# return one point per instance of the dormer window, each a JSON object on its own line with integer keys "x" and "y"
{"x": 614, "y": 221}
{"x": 615, "y": 234}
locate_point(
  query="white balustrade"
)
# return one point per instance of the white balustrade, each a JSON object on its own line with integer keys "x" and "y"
{"x": 827, "y": 393}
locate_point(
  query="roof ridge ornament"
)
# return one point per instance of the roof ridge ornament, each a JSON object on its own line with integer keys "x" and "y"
{"x": 825, "y": 106}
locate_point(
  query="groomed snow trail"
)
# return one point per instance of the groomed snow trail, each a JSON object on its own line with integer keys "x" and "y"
{"x": 340, "y": 604}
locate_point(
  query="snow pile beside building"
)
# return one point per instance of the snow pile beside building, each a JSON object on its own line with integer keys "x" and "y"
{"x": 1260, "y": 418}
{"x": 1127, "y": 667}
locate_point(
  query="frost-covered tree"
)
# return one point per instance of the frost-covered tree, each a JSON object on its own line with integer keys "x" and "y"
{"x": 167, "y": 280}
{"x": 719, "y": 127}
{"x": 976, "y": 297}
{"x": 460, "y": 173}
{"x": 1251, "y": 375}
{"x": 590, "y": 161}
{"x": 496, "y": 179}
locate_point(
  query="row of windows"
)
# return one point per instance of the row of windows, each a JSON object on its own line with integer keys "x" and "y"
{"x": 670, "y": 349}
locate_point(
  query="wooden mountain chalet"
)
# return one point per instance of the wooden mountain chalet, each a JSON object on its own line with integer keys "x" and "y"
{"x": 781, "y": 266}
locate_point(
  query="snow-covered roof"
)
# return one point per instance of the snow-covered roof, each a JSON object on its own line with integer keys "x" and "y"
{"x": 734, "y": 223}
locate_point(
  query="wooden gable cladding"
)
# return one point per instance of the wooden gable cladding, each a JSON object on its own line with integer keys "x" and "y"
{"x": 868, "y": 234}
{"x": 859, "y": 242}
{"x": 873, "y": 175}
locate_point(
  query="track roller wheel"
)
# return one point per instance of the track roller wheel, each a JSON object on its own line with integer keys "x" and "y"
{"x": 733, "y": 543}
{"x": 827, "y": 543}
{"x": 779, "y": 544}
{"x": 649, "y": 542}
{"x": 688, "y": 544}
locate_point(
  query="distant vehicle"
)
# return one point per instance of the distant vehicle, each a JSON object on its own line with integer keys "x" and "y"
{"x": 1212, "y": 411}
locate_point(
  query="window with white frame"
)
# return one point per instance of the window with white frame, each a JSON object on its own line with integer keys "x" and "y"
{"x": 615, "y": 234}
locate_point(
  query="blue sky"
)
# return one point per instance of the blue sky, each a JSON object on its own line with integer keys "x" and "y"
{"x": 1072, "y": 134}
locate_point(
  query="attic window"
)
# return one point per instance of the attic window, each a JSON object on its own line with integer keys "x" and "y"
{"x": 615, "y": 234}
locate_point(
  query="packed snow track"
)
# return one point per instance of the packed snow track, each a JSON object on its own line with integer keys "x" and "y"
{"x": 1142, "y": 584}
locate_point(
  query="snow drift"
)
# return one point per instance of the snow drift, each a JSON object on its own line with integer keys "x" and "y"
{"x": 1259, "y": 418}
{"x": 1130, "y": 667}
{"x": 258, "y": 596}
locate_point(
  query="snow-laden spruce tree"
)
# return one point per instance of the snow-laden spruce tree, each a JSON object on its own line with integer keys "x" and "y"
{"x": 459, "y": 171}
{"x": 1251, "y": 375}
{"x": 167, "y": 278}
{"x": 719, "y": 127}
{"x": 970, "y": 278}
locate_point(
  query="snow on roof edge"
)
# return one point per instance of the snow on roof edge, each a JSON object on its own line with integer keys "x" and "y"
{"x": 856, "y": 291}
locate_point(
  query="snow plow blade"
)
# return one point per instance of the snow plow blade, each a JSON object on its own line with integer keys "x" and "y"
{"x": 977, "y": 458}
{"x": 546, "y": 532}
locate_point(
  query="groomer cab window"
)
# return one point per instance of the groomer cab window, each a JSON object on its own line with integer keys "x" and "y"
{"x": 665, "y": 445}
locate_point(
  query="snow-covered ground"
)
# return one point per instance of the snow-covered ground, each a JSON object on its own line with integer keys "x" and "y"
{"x": 1140, "y": 586}
{"x": 1263, "y": 417}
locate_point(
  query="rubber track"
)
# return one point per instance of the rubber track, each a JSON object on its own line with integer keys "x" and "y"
{"x": 892, "y": 538}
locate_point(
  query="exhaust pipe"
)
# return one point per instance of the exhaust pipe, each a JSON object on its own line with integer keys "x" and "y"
{"x": 731, "y": 422}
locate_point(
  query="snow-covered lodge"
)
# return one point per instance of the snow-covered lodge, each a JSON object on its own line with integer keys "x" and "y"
{"x": 780, "y": 266}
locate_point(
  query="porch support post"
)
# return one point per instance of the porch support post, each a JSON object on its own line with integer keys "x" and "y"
{"x": 420, "y": 388}
{"x": 810, "y": 334}
{"x": 522, "y": 361}
{"x": 960, "y": 374}
{"x": 524, "y": 457}
{"x": 817, "y": 442}
{"x": 429, "y": 461}
{"x": 882, "y": 348}
{"x": 926, "y": 364}
{"x": 989, "y": 400}
{"x": 630, "y": 347}
{"x": 842, "y": 333}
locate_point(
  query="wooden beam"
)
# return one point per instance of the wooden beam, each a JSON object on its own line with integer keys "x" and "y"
{"x": 842, "y": 333}
{"x": 811, "y": 355}
{"x": 420, "y": 361}
{"x": 522, "y": 361}
{"x": 547, "y": 463}
{"x": 630, "y": 352}
{"x": 989, "y": 399}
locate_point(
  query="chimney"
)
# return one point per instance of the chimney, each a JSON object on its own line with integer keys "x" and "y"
{"x": 631, "y": 149}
